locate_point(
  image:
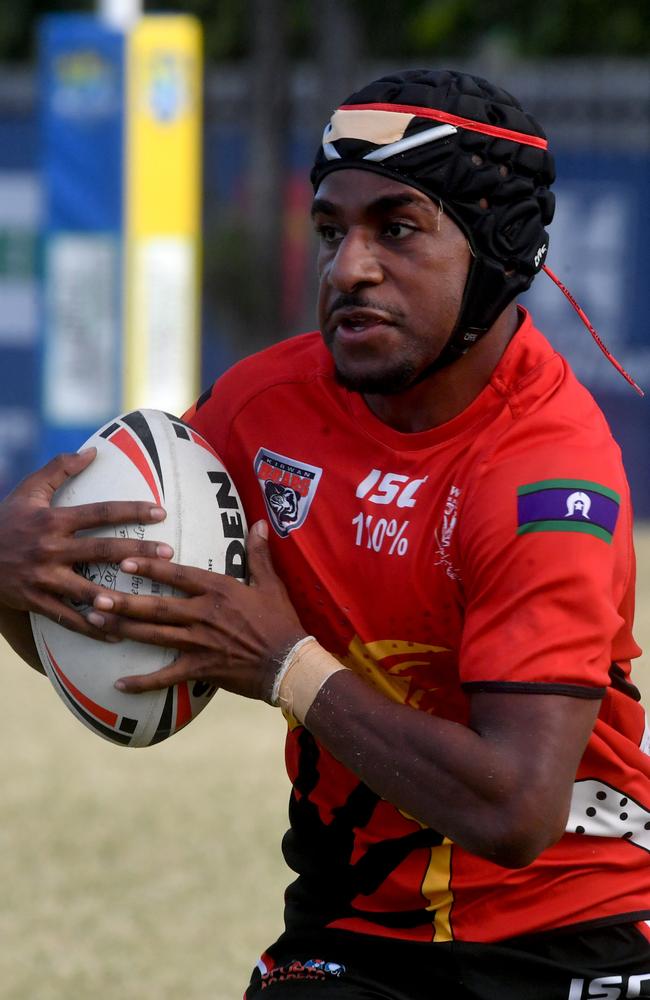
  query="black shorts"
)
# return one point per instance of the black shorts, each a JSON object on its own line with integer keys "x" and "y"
{"x": 603, "y": 963}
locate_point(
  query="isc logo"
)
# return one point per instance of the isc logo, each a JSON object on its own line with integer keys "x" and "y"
{"x": 609, "y": 988}
{"x": 389, "y": 487}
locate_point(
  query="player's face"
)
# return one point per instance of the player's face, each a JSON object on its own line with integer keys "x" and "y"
{"x": 392, "y": 269}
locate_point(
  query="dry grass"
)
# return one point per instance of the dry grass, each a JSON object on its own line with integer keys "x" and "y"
{"x": 151, "y": 873}
{"x": 146, "y": 873}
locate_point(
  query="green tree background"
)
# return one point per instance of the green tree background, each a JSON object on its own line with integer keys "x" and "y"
{"x": 408, "y": 28}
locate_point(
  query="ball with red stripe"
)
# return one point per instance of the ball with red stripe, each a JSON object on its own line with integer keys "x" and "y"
{"x": 152, "y": 456}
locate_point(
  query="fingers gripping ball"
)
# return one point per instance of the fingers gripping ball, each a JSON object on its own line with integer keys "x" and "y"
{"x": 147, "y": 456}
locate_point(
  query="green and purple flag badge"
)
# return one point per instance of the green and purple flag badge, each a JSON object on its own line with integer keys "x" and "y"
{"x": 567, "y": 505}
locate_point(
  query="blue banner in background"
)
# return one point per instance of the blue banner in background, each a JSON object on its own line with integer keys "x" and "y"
{"x": 599, "y": 249}
{"x": 81, "y": 88}
{"x": 20, "y": 220}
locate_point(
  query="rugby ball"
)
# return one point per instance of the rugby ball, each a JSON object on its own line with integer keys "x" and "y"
{"x": 144, "y": 455}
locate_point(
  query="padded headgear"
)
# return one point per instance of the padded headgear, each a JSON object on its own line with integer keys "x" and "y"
{"x": 471, "y": 147}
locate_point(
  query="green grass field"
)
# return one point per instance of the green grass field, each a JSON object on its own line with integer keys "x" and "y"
{"x": 151, "y": 873}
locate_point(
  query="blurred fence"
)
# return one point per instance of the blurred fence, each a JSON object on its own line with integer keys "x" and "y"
{"x": 597, "y": 116}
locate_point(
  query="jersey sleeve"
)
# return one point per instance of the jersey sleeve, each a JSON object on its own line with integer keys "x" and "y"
{"x": 213, "y": 413}
{"x": 297, "y": 359}
{"x": 547, "y": 567}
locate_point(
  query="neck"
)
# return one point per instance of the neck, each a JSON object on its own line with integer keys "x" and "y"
{"x": 446, "y": 393}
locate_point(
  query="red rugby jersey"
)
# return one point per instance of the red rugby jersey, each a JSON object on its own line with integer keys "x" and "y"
{"x": 491, "y": 553}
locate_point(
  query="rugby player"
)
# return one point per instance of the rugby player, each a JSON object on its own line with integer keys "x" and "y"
{"x": 442, "y": 583}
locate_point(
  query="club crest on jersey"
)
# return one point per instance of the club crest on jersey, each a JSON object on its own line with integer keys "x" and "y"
{"x": 288, "y": 487}
{"x": 567, "y": 505}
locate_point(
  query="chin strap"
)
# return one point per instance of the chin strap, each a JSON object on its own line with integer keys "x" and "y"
{"x": 585, "y": 319}
{"x": 462, "y": 339}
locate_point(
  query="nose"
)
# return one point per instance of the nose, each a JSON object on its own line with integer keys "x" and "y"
{"x": 355, "y": 262}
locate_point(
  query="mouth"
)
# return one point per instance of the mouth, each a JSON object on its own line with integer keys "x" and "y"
{"x": 354, "y": 324}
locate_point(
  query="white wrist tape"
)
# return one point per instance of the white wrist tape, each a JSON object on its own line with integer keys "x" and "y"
{"x": 301, "y": 675}
{"x": 285, "y": 666}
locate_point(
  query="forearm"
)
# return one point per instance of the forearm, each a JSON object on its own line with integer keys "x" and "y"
{"x": 17, "y": 630}
{"x": 470, "y": 784}
{"x": 441, "y": 773}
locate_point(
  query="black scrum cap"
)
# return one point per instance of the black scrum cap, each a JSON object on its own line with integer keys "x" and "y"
{"x": 470, "y": 146}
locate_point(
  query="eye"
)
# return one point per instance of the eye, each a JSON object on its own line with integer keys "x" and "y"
{"x": 327, "y": 233}
{"x": 398, "y": 230}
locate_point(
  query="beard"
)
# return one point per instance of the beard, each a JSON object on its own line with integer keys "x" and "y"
{"x": 386, "y": 383}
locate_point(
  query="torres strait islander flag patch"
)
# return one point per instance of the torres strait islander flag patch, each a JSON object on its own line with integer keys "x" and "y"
{"x": 567, "y": 505}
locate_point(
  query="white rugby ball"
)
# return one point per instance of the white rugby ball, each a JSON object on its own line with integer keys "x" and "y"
{"x": 144, "y": 455}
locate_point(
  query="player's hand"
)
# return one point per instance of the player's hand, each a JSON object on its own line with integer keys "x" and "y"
{"x": 227, "y": 634}
{"x": 39, "y": 545}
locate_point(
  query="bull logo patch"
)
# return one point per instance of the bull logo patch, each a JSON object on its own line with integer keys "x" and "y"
{"x": 288, "y": 487}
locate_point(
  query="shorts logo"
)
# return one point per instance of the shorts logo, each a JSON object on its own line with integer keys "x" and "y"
{"x": 567, "y": 505}
{"x": 288, "y": 487}
{"x": 609, "y": 988}
{"x": 313, "y": 969}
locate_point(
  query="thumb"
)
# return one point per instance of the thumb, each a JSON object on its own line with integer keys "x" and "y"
{"x": 43, "y": 484}
{"x": 260, "y": 564}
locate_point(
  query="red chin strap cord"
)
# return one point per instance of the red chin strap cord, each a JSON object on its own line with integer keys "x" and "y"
{"x": 585, "y": 319}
